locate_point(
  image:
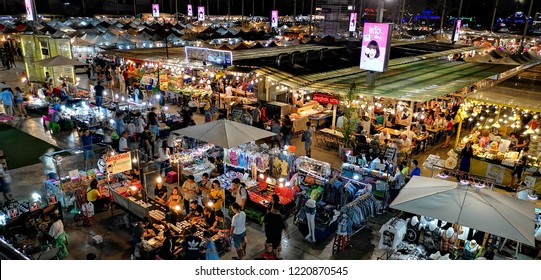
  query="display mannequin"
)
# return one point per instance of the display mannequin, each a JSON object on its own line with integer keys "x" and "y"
{"x": 448, "y": 239}
{"x": 470, "y": 250}
{"x": 432, "y": 237}
{"x": 413, "y": 230}
{"x": 310, "y": 208}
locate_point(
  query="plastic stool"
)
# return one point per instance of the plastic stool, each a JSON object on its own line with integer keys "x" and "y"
{"x": 172, "y": 177}
{"x": 341, "y": 241}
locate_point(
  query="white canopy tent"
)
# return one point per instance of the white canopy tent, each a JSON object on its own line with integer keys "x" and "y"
{"x": 224, "y": 133}
{"x": 481, "y": 209}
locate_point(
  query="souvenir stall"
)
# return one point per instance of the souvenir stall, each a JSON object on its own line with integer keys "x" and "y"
{"x": 24, "y": 224}
{"x": 474, "y": 221}
{"x": 273, "y": 166}
{"x": 192, "y": 161}
{"x": 133, "y": 198}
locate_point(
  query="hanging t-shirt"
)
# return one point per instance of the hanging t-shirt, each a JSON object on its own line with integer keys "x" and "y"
{"x": 285, "y": 168}
{"x": 413, "y": 232}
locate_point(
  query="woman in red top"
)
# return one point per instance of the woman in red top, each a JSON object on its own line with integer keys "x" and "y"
{"x": 448, "y": 130}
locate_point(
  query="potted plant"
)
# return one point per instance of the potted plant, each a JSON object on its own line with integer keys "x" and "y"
{"x": 350, "y": 118}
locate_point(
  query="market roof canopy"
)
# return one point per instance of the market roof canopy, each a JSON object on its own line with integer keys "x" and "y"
{"x": 481, "y": 209}
{"x": 224, "y": 133}
{"x": 58, "y": 61}
{"x": 521, "y": 91}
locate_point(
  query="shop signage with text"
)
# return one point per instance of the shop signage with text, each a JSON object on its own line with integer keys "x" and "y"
{"x": 326, "y": 98}
{"x": 118, "y": 163}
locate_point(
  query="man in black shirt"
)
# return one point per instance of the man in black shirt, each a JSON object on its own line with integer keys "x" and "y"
{"x": 147, "y": 141}
{"x": 98, "y": 92}
{"x": 152, "y": 120}
{"x": 274, "y": 225}
{"x": 191, "y": 246}
{"x": 196, "y": 210}
{"x": 519, "y": 167}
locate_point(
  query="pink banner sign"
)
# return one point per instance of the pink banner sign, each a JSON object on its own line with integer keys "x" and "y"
{"x": 274, "y": 18}
{"x": 190, "y": 11}
{"x": 201, "y": 13}
{"x": 156, "y": 10}
{"x": 352, "y": 22}
{"x": 375, "y": 46}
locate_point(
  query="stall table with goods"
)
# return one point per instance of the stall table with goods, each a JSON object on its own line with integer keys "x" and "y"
{"x": 496, "y": 163}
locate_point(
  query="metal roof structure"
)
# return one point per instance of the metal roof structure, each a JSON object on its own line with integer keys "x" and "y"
{"x": 418, "y": 78}
{"x": 521, "y": 91}
{"x": 245, "y": 54}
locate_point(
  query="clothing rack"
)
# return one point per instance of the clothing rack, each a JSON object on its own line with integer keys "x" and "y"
{"x": 354, "y": 202}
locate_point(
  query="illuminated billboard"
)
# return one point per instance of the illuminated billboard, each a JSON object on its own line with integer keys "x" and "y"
{"x": 201, "y": 13}
{"x": 376, "y": 46}
{"x": 156, "y": 10}
{"x": 190, "y": 11}
{"x": 352, "y": 22}
{"x": 29, "y": 10}
{"x": 210, "y": 56}
{"x": 456, "y": 32}
{"x": 274, "y": 18}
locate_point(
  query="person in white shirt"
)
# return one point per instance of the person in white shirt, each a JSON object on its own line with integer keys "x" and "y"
{"x": 139, "y": 126}
{"x": 229, "y": 90}
{"x": 171, "y": 143}
{"x": 57, "y": 228}
{"x": 102, "y": 164}
{"x": 384, "y": 135}
{"x": 411, "y": 133}
{"x": 123, "y": 142}
{"x": 164, "y": 157}
{"x": 238, "y": 231}
{"x": 404, "y": 145}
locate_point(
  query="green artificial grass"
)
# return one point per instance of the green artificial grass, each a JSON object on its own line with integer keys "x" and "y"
{"x": 20, "y": 148}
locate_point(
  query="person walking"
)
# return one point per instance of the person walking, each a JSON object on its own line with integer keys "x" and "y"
{"x": 238, "y": 231}
{"x": 7, "y": 99}
{"x": 5, "y": 178}
{"x": 98, "y": 93}
{"x": 307, "y": 139}
{"x": 256, "y": 117}
{"x": 19, "y": 100}
{"x": 465, "y": 158}
{"x": 274, "y": 225}
{"x": 49, "y": 168}
{"x": 276, "y": 130}
{"x": 88, "y": 149}
{"x": 164, "y": 157}
{"x": 286, "y": 130}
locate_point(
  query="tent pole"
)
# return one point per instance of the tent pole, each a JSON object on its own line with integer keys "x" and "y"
{"x": 458, "y": 132}
{"x": 333, "y": 124}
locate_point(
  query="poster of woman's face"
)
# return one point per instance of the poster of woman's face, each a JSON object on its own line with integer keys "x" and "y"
{"x": 374, "y": 46}
{"x": 201, "y": 13}
{"x": 190, "y": 11}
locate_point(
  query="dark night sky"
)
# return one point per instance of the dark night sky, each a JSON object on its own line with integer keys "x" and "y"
{"x": 479, "y": 8}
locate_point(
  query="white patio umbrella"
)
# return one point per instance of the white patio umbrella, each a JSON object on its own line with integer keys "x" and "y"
{"x": 224, "y": 133}
{"x": 484, "y": 210}
{"x": 58, "y": 61}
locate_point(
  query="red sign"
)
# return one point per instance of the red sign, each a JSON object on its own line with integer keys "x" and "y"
{"x": 326, "y": 98}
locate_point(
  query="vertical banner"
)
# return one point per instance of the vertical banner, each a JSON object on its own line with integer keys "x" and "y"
{"x": 201, "y": 13}
{"x": 375, "y": 46}
{"x": 352, "y": 22}
{"x": 190, "y": 11}
{"x": 156, "y": 10}
{"x": 274, "y": 18}
{"x": 456, "y": 32}
{"x": 29, "y": 10}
